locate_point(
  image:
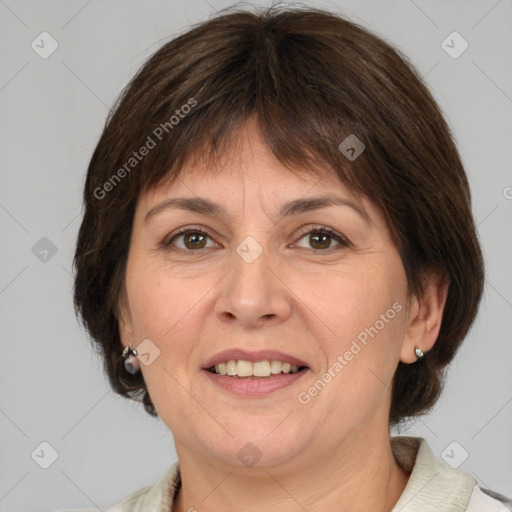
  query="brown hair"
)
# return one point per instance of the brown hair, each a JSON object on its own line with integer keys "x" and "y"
{"x": 310, "y": 78}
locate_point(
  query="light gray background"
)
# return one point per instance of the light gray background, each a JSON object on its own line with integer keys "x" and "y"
{"x": 52, "y": 111}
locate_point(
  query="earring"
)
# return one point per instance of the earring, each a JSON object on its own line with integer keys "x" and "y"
{"x": 131, "y": 364}
{"x": 419, "y": 353}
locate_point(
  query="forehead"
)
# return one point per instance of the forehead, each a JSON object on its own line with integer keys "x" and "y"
{"x": 246, "y": 176}
{"x": 247, "y": 164}
{"x": 259, "y": 179}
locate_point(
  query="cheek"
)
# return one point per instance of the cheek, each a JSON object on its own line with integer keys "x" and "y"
{"x": 350, "y": 302}
{"x": 170, "y": 311}
{"x": 362, "y": 312}
{"x": 157, "y": 299}
{"x": 361, "y": 345}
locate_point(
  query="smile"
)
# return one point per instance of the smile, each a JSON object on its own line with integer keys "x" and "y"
{"x": 259, "y": 369}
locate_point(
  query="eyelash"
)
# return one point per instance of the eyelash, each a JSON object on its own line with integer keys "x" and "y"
{"x": 308, "y": 231}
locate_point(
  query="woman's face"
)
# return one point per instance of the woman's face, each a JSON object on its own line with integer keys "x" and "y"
{"x": 259, "y": 280}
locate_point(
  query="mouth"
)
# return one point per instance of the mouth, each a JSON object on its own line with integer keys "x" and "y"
{"x": 243, "y": 369}
{"x": 255, "y": 374}
{"x": 246, "y": 379}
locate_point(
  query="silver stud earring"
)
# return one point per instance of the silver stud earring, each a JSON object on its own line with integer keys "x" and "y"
{"x": 131, "y": 364}
{"x": 419, "y": 353}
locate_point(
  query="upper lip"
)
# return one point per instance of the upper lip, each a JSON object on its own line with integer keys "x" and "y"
{"x": 259, "y": 355}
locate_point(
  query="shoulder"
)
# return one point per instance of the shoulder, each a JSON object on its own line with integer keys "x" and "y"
{"x": 155, "y": 497}
{"x": 132, "y": 502}
{"x": 434, "y": 486}
{"x": 484, "y": 500}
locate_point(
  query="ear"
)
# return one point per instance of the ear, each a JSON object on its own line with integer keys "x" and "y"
{"x": 124, "y": 320}
{"x": 425, "y": 317}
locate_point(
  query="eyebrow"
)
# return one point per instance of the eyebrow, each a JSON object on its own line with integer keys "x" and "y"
{"x": 295, "y": 207}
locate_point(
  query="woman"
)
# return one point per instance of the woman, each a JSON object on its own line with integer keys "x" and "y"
{"x": 278, "y": 256}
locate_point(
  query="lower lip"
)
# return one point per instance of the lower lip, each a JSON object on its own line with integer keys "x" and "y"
{"x": 257, "y": 386}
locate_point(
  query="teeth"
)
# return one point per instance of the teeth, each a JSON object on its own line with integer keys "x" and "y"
{"x": 275, "y": 367}
{"x": 231, "y": 367}
{"x": 242, "y": 368}
{"x": 260, "y": 369}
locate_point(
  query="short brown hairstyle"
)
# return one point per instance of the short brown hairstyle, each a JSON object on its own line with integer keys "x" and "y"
{"x": 310, "y": 78}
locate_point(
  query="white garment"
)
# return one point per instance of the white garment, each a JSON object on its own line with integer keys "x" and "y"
{"x": 433, "y": 486}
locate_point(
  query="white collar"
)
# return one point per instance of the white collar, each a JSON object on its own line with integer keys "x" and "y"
{"x": 433, "y": 486}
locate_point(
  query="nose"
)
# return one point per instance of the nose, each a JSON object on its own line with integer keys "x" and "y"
{"x": 253, "y": 293}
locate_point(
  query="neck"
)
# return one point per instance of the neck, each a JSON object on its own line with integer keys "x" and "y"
{"x": 357, "y": 477}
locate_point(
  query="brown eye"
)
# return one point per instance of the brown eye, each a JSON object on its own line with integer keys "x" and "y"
{"x": 194, "y": 240}
{"x": 191, "y": 240}
{"x": 320, "y": 238}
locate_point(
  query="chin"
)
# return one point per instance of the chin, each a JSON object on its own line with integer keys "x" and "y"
{"x": 257, "y": 444}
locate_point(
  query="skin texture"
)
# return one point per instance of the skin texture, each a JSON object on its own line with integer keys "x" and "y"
{"x": 332, "y": 453}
